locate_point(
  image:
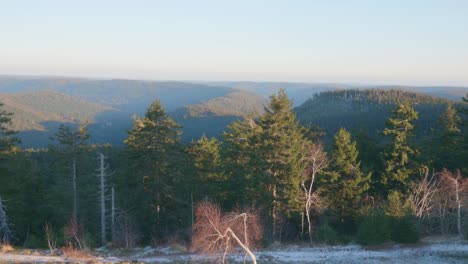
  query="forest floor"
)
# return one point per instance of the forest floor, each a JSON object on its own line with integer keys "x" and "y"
{"x": 430, "y": 250}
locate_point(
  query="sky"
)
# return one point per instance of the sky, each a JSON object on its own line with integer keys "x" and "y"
{"x": 418, "y": 42}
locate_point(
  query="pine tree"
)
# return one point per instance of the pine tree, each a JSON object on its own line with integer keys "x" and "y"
{"x": 243, "y": 165}
{"x": 448, "y": 141}
{"x": 399, "y": 157}
{"x": 347, "y": 183}
{"x": 71, "y": 144}
{"x": 8, "y": 140}
{"x": 155, "y": 153}
{"x": 265, "y": 154}
{"x": 208, "y": 179}
{"x": 464, "y": 144}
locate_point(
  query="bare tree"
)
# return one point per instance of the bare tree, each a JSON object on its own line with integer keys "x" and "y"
{"x": 5, "y": 231}
{"x": 74, "y": 231}
{"x": 215, "y": 232}
{"x": 113, "y": 213}
{"x": 456, "y": 188}
{"x": 103, "y": 174}
{"x": 50, "y": 236}
{"x": 421, "y": 197}
{"x": 317, "y": 161}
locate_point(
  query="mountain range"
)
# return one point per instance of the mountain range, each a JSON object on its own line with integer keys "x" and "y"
{"x": 41, "y": 104}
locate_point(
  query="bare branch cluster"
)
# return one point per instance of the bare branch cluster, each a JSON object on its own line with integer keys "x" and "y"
{"x": 215, "y": 232}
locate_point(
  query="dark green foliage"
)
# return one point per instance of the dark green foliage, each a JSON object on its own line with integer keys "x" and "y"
{"x": 155, "y": 155}
{"x": 7, "y": 135}
{"x": 374, "y": 229}
{"x": 263, "y": 155}
{"x": 324, "y": 233}
{"x": 208, "y": 177}
{"x": 346, "y": 183}
{"x": 400, "y": 155}
{"x": 448, "y": 152}
{"x": 260, "y": 163}
{"x": 352, "y": 109}
{"x": 404, "y": 230}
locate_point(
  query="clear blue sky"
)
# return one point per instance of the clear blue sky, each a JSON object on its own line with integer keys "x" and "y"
{"x": 400, "y": 42}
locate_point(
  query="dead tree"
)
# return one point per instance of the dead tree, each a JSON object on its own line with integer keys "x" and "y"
{"x": 50, "y": 236}
{"x": 113, "y": 213}
{"x": 103, "y": 174}
{"x": 74, "y": 231}
{"x": 214, "y": 232}
{"x": 317, "y": 161}
{"x": 456, "y": 187}
{"x": 5, "y": 231}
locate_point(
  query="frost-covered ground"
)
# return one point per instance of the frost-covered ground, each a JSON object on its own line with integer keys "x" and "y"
{"x": 428, "y": 251}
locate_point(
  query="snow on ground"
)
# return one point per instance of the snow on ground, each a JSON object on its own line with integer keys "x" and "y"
{"x": 429, "y": 251}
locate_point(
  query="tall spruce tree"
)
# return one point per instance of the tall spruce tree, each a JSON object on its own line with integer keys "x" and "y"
{"x": 243, "y": 165}
{"x": 208, "y": 178}
{"x": 155, "y": 154}
{"x": 347, "y": 183}
{"x": 464, "y": 145}
{"x": 8, "y": 140}
{"x": 448, "y": 141}
{"x": 282, "y": 143}
{"x": 400, "y": 162}
{"x": 264, "y": 156}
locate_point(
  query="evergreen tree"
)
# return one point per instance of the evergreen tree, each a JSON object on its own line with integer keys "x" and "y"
{"x": 282, "y": 144}
{"x": 464, "y": 144}
{"x": 347, "y": 183}
{"x": 7, "y": 135}
{"x": 399, "y": 157}
{"x": 156, "y": 157}
{"x": 208, "y": 178}
{"x": 448, "y": 141}
{"x": 72, "y": 144}
{"x": 368, "y": 148}
{"x": 243, "y": 165}
{"x": 265, "y": 154}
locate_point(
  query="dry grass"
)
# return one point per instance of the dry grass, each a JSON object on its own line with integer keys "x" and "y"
{"x": 76, "y": 253}
{"x": 5, "y": 248}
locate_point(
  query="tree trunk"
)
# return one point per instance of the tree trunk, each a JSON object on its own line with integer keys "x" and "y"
{"x": 458, "y": 207}
{"x": 103, "y": 199}
{"x": 246, "y": 248}
{"x": 274, "y": 212}
{"x": 75, "y": 209}
{"x": 113, "y": 214}
{"x": 309, "y": 223}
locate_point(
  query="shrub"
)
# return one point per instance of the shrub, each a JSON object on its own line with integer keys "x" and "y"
{"x": 396, "y": 206}
{"x": 33, "y": 242}
{"x": 374, "y": 229}
{"x": 404, "y": 230}
{"x": 325, "y": 234}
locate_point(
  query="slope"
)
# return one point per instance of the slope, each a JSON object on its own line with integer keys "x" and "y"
{"x": 33, "y": 109}
{"x": 367, "y": 109}
{"x": 211, "y": 117}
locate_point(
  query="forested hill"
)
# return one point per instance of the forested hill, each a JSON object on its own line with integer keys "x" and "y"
{"x": 236, "y": 103}
{"x": 211, "y": 117}
{"x": 367, "y": 109}
{"x": 40, "y": 104}
{"x": 33, "y": 109}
